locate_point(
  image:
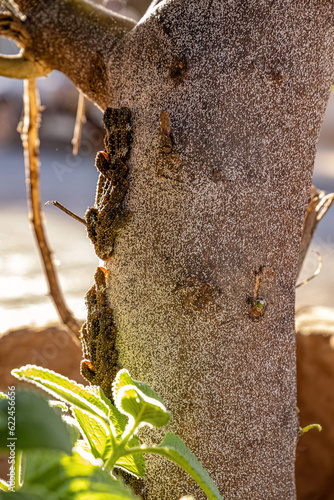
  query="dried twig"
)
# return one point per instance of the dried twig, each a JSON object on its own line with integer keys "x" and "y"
{"x": 12, "y": 6}
{"x": 318, "y": 206}
{"x": 316, "y": 272}
{"x": 29, "y": 136}
{"x": 67, "y": 211}
{"x": 152, "y": 5}
{"x": 80, "y": 119}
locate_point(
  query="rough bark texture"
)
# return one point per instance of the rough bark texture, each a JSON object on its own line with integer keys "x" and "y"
{"x": 77, "y": 38}
{"x": 245, "y": 87}
{"x": 202, "y": 279}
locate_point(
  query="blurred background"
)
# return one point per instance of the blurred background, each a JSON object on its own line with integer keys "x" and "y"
{"x": 68, "y": 179}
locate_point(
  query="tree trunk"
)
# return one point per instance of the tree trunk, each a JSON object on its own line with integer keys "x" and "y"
{"x": 226, "y": 101}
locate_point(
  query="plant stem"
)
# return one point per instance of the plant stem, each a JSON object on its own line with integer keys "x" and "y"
{"x": 119, "y": 449}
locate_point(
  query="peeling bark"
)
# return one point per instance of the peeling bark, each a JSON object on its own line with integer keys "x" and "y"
{"x": 226, "y": 100}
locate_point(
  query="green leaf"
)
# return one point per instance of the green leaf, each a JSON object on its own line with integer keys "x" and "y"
{"x": 85, "y": 398}
{"x": 72, "y": 427}
{"x": 37, "y": 425}
{"x": 58, "y": 404}
{"x": 72, "y": 477}
{"x": 174, "y": 448}
{"x": 42, "y": 469}
{"x": 140, "y": 408}
{"x": 95, "y": 432}
{"x": 123, "y": 378}
{"x": 138, "y": 401}
{"x": 118, "y": 420}
{"x": 37, "y": 493}
{"x": 90, "y": 399}
{"x": 134, "y": 464}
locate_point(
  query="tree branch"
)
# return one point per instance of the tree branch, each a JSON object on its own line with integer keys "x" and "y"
{"x": 75, "y": 37}
{"x": 21, "y": 67}
{"x": 29, "y": 135}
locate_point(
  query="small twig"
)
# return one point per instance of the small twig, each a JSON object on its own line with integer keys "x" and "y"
{"x": 323, "y": 205}
{"x": 80, "y": 119}
{"x": 153, "y": 4}
{"x": 67, "y": 211}
{"x": 30, "y": 141}
{"x": 13, "y": 8}
{"x": 316, "y": 272}
{"x": 318, "y": 206}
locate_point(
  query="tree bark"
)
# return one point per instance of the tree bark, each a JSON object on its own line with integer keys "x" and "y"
{"x": 75, "y": 37}
{"x": 226, "y": 99}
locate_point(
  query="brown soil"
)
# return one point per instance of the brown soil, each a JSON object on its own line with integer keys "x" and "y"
{"x": 315, "y": 450}
{"x": 51, "y": 347}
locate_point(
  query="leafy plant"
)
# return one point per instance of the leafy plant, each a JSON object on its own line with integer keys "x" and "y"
{"x": 108, "y": 438}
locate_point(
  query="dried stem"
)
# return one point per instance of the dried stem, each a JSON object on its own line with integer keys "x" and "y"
{"x": 80, "y": 119}
{"x": 67, "y": 211}
{"x": 316, "y": 272}
{"x": 29, "y": 136}
{"x": 13, "y": 8}
{"x": 318, "y": 206}
{"x": 152, "y": 5}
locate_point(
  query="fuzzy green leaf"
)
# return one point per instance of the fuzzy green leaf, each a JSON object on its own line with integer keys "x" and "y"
{"x": 51, "y": 475}
{"x": 141, "y": 408}
{"x": 85, "y": 398}
{"x": 123, "y": 378}
{"x": 134, "y": 464}
{"x": 3, "y": 485}
{"x": 175, "y": 450}
{"x": 118, "y": 420}
{"x": 95, "y": 432}
{"x": 35, "y": 493}
{"x": 138, "y": 401}
{"x": 37, "y": 425}
{"x": 59, "y": 404}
